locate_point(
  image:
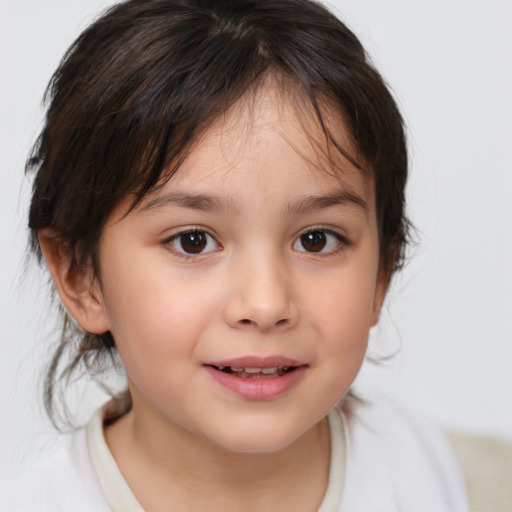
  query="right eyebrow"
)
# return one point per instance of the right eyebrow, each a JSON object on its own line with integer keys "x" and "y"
{"x": 204, "y": 202}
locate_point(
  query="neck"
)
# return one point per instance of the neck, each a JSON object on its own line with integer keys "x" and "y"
{"x": 163, "y": 464}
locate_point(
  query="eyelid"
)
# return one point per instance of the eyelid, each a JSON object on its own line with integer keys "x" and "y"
{"x": 167, "y": 242}
{"x": 342, "y": 240}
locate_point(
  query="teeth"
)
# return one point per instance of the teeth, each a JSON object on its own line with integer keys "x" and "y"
{"x": 254, "y": 370}
{"x": 248, "y": 369}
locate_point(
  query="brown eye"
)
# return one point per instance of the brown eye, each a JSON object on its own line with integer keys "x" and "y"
{"x": 314, "y": 241}
{"x": 324, "y": 241}
{"x": 193, "y": 242}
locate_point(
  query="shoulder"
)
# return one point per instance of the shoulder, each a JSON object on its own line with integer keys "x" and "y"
{"x": 57, "y": 475}
{"x": 402, "y": 459}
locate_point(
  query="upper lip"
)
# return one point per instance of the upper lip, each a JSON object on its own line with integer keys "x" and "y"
{"x": 257, "y": 362}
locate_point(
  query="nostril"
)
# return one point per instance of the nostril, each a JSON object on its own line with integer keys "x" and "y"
{"x": 247, "y": 322}
{"x": 279, "y": 323}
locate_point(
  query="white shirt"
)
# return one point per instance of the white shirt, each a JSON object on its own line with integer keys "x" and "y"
{"x": 382, "y": 460}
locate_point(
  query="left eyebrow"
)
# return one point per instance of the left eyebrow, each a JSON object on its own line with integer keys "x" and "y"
{"x": 310, "y": 204}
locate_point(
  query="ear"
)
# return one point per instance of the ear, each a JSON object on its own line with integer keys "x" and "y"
{"x": 381, "y": 288}
{"x": 77, "y": 286}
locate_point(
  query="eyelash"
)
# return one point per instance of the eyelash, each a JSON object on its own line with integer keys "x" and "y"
{"x": 191, "y": 255}
{"x": 340, "y": 240}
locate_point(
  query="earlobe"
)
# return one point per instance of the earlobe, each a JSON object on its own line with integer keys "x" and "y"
{"x": 380, "y": 293}
{"x": 77, "y": 286}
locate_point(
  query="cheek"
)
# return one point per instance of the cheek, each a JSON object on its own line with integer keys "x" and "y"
{"x": 342, "y": 314}
{"x": 344, "y": 306}
{"x": 156, "y": 318}
{"x": 341, "y": 319}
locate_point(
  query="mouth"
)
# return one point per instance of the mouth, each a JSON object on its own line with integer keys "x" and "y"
{"x": 257, "y": 378}
{"x": 254, "y": 372}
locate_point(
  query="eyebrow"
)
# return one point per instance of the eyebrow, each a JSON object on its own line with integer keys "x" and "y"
{"x": 304, "y": 205}
{"x": 309, "y": 204}
{"x": 204, "y": 202}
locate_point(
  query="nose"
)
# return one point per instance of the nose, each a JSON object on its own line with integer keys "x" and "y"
{"x": 261, "y": 295}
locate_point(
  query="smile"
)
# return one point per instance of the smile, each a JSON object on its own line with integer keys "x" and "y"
{"x": 249, "y": 372}
{"x": 256, "y": 378}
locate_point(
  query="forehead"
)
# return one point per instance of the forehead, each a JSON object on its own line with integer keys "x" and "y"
{"x": 269, "y": 140}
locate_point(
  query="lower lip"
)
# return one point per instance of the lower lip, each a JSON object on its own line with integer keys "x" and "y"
{"x": 258, "y": 389}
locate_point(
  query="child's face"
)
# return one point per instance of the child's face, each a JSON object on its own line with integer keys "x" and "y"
{"x": 251, "y": 256}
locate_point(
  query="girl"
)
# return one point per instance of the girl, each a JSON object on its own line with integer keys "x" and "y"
{"x": 219, "y": 197}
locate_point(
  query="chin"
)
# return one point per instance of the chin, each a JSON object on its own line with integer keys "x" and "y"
{"x": 257, "y": 439}
{"x": 257, "y": 445}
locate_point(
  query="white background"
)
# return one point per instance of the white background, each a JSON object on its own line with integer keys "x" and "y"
{"x": 450, "y": 65}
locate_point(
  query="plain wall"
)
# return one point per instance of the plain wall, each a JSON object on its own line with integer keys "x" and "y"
{"x": 450, "y": 66}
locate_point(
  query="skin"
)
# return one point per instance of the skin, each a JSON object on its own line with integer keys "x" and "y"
{"x": 256, "y": 289}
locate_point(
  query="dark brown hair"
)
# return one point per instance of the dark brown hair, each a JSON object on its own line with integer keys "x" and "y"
{"x": 140, "y": 84}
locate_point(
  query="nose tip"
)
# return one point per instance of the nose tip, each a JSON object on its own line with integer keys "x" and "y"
{"x": 264, "y": 300}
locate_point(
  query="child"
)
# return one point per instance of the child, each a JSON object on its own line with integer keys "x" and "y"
{"x": 219, "y": 197}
